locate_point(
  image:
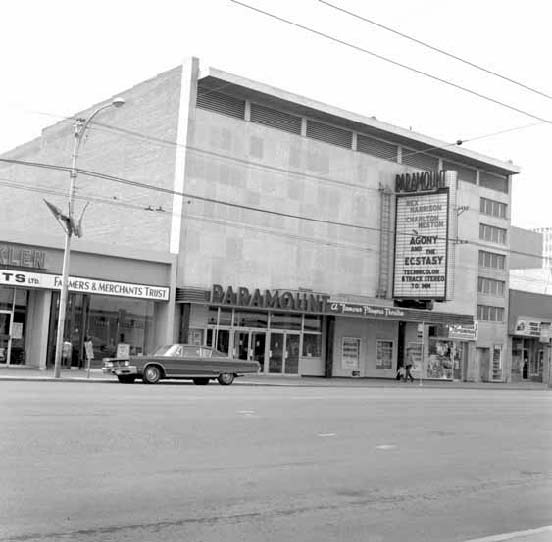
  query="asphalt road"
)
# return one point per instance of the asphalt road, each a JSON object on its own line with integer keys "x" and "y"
{"x": 176, "y": 462}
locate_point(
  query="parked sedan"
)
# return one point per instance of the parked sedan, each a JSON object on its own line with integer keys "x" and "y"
{"x": 198, "y": 363}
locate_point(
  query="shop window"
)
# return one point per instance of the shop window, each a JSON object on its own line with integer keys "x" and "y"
{"x": 350, "y": 354}
{"x": 312, "y": 345}
{"x": 280, "y": 320}
{"x": 496, "y": 363}
{"x": 225, "y": 317}
{"x": 212, "y": 317}
{"x": 6, "y": 298}
{"x": 251, "y": 319}
{"x": 312, "y": 323}
{"x": 384, "y": 354}
{"x": 440, "y": 359}
{"x": 195, "y": 337}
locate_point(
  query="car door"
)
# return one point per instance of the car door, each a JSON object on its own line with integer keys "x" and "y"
{"x": 190, "y": 362}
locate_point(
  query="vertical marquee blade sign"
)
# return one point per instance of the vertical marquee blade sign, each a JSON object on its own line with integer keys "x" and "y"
{"x": 421, "y": 235}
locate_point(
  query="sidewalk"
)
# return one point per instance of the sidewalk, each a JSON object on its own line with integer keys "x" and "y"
{"x": 18, "y": 373}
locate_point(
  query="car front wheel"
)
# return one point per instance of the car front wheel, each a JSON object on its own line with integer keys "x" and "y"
{"x": 225, "y": 379}
{"x": 126, "y": 379}
{"x": 201, "y": 381}
{"x": 152, "y": 374}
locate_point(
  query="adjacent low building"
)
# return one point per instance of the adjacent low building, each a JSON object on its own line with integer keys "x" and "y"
{"x": 231, "y": 213}
{"x": 530, "y": 325}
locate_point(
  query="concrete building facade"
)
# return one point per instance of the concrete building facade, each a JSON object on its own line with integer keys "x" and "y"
{"x": 272, "y": 222}
{"x": 546, "y": 246}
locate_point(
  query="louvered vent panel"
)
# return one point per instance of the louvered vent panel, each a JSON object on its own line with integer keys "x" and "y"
{"x": 276, "y": 119}
{"x": 419, "y": 160}
{"x": 329, "y": 134}
{"x": 464, "y": 173}
{"x": 378, "y": 148}
{"x": 192, "y": 295}
{"x": 494, "y": 182}
{"x": 221, "y": 103}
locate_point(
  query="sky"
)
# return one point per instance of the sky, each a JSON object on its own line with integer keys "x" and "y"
{"x": 60, "y": 56}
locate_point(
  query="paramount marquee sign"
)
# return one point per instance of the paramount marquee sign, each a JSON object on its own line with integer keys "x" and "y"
{"x": 421, "y": 235}
{"x": 269, "y": 299}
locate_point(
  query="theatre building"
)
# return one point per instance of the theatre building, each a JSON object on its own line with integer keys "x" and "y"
{"x": 314, "y": 240}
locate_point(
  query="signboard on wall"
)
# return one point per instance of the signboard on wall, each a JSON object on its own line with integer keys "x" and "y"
{"x": 527, "y": 328}
{"x": 14, "y": 277}
{"x": 350, "y": 353}
{"x": 421, "y": 245}
{"x": 463, "y": 332}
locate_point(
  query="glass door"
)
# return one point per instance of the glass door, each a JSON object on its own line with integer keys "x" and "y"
{"x": 258, "y": 345}
{"x": 276, "y": 353}
{"x": 5, "y": 336}
{"x": 291, "y": 365}
{"x": 241, "y": 345}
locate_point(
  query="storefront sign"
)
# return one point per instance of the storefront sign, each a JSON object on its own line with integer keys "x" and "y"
{"x": 421, "y": 244}
{"x": 420, "y": 181}
{"x": 368, "y": 311}
{"x": 463, "y": 332}
{"x": 350, "y": 353}
{"x": 16, "y": 256}
{"x": 527, "y": 328}
{"x": 12, "y": 277}
{"x": 275, "y": 299}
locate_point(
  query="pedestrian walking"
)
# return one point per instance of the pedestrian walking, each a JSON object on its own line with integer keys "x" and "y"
{"x": 408, "y": 368}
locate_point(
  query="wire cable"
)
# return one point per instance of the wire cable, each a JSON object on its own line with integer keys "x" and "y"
{"x": 146, "y": 186}
{"x": 394, "y": 62}
{"x": 437, "y": 49}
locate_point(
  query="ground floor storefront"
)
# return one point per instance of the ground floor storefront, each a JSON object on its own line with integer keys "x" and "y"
{"x": 109, "y": 307}
{"x": 311, "y": 334}
{"x": 530, "y": 336}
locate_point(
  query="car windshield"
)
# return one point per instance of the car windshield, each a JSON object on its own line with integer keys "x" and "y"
{"x": 169, "y": 350}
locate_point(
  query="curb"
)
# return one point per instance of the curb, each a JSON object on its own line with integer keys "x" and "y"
{"x": 291, "y": 384}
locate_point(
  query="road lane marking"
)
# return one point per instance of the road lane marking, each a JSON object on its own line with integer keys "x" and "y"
{"x": 326, "y": 434}
{"x": 518, "y": 534}
{"x": 386, "y": 446}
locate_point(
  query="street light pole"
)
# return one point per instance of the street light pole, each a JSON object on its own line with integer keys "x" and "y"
{"x": 79, "y": 131}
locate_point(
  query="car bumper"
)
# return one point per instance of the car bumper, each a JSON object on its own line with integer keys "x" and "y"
{"x": 119, "y": 371}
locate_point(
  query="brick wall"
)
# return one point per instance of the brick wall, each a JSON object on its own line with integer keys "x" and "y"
{"x": 146, "y": 156}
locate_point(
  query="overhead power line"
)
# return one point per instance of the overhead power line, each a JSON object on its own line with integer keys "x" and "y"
{"x": 394, "y": 62}
{"x": 438, "y": 49}
{"x": 146, "y": 186}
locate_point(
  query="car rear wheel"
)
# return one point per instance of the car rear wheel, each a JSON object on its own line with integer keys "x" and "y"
{"x": 225, "y": 379}
{"x": 152, "y": 374}
{"x": 126, "y": 379}
{"x": 201, "y": 381}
